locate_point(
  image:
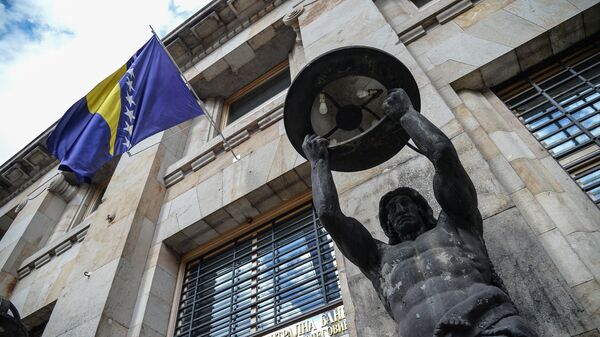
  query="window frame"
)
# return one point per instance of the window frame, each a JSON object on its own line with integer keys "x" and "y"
{"x": 247, "y": 89}
{"x": 263, "y": 221}
{"x": 560, "y": 108}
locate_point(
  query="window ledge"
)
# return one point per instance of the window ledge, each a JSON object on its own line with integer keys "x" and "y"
{"x": 436, "y": 13}
{"x": 55, "y": 248}
{"x": 236, "y": 133}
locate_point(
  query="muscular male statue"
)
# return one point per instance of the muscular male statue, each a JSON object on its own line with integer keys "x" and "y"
{"x": 434, "y": 275}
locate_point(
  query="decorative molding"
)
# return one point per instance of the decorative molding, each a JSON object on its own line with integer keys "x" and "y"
{"x": 265, "y": 117}
{"x": 46, "y": 254}
{"x": 236, "y": 140}
{"x": 62, "y": 188}
{"x": 412, "y": 34}
{"x": 174, "y": 178}
{"x": 270, "y": 119}
{"x": 203, "y": 160}
{"x": 447, "y": 11}
{"x": 454, "y": 11}
{"x": 291, "y": 20}
{"x": 229, "y": 34}
{"x": 21, "y": 205}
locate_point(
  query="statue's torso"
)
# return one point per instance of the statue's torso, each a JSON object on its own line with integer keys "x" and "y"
{"x": 422, "y": 279}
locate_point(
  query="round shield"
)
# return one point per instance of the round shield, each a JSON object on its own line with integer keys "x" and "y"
{"x": 339, "y": 96}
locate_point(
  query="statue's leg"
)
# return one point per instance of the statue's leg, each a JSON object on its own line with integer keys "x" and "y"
{"x": 512, "y": 326}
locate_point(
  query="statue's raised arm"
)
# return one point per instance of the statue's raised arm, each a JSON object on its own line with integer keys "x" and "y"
{"x": 452, "y": 186}
{"x": 351, "y": 237}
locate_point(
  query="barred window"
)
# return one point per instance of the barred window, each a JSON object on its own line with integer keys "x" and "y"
{"x": 560, "y": 104}
{"x": 273, "y": 276}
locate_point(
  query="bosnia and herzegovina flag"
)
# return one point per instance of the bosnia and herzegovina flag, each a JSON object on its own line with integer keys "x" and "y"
{"x": 145, "y": 96}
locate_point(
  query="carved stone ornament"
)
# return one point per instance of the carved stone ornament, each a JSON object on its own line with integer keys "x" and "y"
{"x": 291, "y": 20}
{"x": 62, "y": 188}
{"x": 21, "y": 205}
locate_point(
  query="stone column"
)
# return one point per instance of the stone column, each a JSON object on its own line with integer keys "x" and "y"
{"x": 103, "y": 285}
{"x": 37, "y": 216}
{"x": 296, "y": 58}
{"x": 73, "y": 197}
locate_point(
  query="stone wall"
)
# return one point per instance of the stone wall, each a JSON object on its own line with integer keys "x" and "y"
{"x": 541, "y": 230}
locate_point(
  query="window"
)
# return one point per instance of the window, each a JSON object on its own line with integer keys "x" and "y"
{"x": 420, "y": 3}
{"x": 279, "y": 273}
{"x": 259, "y": 91}
{"x": 560, "y": 105}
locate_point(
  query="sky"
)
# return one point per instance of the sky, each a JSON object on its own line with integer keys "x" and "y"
{"x": 53, "y": 52}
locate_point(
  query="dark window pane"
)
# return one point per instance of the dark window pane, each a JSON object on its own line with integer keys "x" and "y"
{"x": 534, "y": 102}
{"x": 258, "y": 95}
{"x": 552, "y": 82}
{"x": 420, "y": 3}
{"x": 521, "y": 97}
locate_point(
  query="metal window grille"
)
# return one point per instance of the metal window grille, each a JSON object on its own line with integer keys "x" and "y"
{"x": 270, "y": 277}
{"x": 560, "y": 105}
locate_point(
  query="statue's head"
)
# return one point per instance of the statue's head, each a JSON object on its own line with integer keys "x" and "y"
{"x": 404, "y": 214}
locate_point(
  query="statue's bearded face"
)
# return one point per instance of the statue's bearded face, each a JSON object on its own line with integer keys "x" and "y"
{"x": 405, "y": 217}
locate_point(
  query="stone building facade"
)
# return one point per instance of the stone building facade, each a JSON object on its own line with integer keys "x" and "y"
{"x": 119, "y": 257}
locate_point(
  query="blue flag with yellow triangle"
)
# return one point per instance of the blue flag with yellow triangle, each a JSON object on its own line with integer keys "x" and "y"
{"x": 145, "y": 96}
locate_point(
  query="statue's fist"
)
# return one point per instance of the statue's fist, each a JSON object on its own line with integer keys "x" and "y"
{"x": 397, "y": 104}
{"x": 315, "y": 147}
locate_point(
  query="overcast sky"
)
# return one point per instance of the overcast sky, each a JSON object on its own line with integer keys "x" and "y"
{"x": 52, "y": 52}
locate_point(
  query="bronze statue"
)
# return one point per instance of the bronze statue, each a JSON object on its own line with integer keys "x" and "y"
{"x": 434, "y": 276}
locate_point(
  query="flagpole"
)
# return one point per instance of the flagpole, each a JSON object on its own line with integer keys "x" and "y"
{"x": 212, "y": 122}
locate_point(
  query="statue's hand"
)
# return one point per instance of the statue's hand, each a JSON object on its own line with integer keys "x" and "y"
{"x": 397, "y": 104}
{"x": 315, "y": 148}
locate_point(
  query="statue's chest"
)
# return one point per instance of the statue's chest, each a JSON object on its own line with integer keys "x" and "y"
{"x": 435, "y": 254}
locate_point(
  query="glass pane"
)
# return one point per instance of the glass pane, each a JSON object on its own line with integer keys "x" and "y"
{"x": 591, "y": 73}
{"x": 267, "y": 280}
{"x": 580, "y": 114}
{"x": 556, "y": 79}
{"x": 565, "y": 86}
{"x": 590, "y": 178}
{"x": 552, "y": 127}
{"x": 554, "y": 139}
{"x": 521, "y": 97}
{"x": 587, "y": 63}
{"x": 583, "y": 97}
{"x": 572, "y": 95}
{"x": 420, "y": 3}
{"x": 538, "y": 111}
{"x": 534, "y": 102}
{"x": 595, "y": 193}
{"x": 592, "y": 121}
{"x": 258, "y": 95}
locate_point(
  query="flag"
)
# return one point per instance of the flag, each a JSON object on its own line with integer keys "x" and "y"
{"x": 145, "y": 96}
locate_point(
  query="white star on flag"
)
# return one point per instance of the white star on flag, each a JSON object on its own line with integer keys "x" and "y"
{"x": 129, "y": 113}
{"x": 130, "y": 99}
{"x": 130, "y": 72}
{"x": 129, "y": 83}
{"x": 129, "y": 128}
{"x": 127, "y": 143}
